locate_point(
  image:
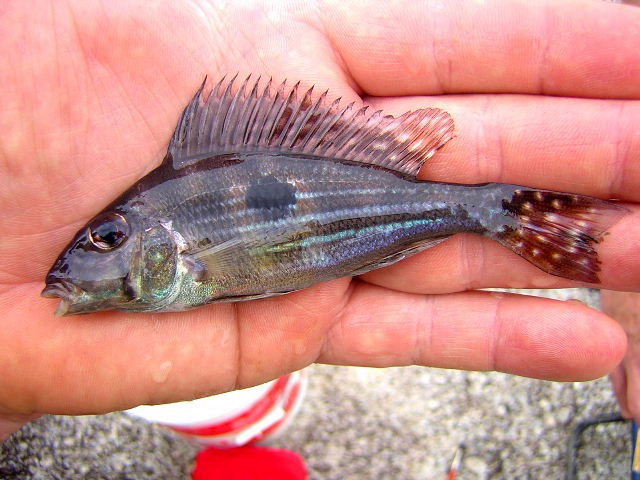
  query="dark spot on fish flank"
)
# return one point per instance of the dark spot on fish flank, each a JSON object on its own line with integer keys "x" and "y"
{"x": 271, "y": 194}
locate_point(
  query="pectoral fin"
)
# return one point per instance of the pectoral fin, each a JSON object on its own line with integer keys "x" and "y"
{"x": 250, "y": 249}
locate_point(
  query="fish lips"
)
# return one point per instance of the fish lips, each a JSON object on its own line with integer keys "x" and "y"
{"x": 68, "y": 294}
{"x": 73, "y": 300}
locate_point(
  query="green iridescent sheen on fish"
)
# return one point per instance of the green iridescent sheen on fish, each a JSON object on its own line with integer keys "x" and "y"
{"x": 263, "y": 192}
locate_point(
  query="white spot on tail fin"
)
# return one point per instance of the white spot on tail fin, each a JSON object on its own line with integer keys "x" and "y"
{"x": 415, "y": 146}
{"x": 560, "y": 232}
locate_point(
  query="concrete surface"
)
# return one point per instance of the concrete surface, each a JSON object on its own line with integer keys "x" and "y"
{"x": 359, "y": 423}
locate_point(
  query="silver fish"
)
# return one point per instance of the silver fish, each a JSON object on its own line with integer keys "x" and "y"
{"x": 266, "y": 192}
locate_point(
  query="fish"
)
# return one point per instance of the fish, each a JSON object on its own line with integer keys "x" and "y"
{"x": 266, "y": 190}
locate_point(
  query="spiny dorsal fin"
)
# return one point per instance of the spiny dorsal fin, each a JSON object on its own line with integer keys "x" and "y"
{"x": 255, "y": 118}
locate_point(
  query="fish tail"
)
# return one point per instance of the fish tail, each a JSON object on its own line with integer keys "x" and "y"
{"x": 557, "y": 232}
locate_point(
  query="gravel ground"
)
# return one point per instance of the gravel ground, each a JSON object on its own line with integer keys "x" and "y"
{"x": 360, "y": 423}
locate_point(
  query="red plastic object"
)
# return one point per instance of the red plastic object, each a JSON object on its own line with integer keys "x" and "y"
{"x": 249, "y": 463}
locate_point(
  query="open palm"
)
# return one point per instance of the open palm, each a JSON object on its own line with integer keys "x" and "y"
{"x": 90, "y": 93}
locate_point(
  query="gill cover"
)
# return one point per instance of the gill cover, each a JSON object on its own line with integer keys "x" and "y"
{"x": 153, "y": 276}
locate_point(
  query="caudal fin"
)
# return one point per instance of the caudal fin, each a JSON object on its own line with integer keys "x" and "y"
{"x": 557, "y": 232}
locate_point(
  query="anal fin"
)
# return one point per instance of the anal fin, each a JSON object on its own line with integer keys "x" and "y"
{"x": 398, "y": 256}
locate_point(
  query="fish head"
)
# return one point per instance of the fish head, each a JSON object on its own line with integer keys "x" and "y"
{"x": 115, "y": 262}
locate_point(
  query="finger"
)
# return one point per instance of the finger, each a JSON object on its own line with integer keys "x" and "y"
{"x": 632, "y": 371}
{"x": 112, "y": 361}
{"x": 573, "y": 145}
{"x": 624, "y": 308}
{"x": 402, "y": 48}
{"x": 467, "y": 262}
{"x": 527, "y": 336}
{"x": 619, "y": 384}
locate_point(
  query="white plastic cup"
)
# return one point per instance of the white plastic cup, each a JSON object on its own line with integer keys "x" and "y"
{"x": 242, "y": 417}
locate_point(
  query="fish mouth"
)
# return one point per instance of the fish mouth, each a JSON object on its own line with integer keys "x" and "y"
{"x": 75, "y": 300}
{"x": 65, "y": 291}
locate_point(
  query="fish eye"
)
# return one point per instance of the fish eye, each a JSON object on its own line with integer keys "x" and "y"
{"x": 108, "y": 231}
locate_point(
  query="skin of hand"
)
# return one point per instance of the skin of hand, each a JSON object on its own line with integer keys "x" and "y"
{"x": 625, "y": 308}
{"x": 544, "y": 94}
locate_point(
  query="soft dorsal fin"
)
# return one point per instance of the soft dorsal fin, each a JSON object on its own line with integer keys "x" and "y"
{"x": 257, "y": 118}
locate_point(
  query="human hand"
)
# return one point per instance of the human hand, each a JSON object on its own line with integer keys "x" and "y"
{"x": 90, "y": 97}
{"x": 625, "y": 308}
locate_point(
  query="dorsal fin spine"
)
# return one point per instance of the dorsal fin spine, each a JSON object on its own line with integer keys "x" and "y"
{"x": 238, "y": 133}
{"x": 203, "y": 123}
{"x": 261, "y": 114}
{"x": 214, "y": 123}
{"x": 274, "y": 113}
{"x": 322, "y": 130}
{"x": 280, "y": 131}
{"x": 297, "y": 120}
{"x": 231, "y": 121}
{"x": 342, "y": 138}
{"x": 350, "y": 135}
{"x": 294, "y": 107}
{"x": 285, "y": 115}
{"x": 254, "y": 107}
{"x": 330, "y": 134}
{"x": 274, "y": 118}
{"x": 314, "y": 127}
{"x": 241, "y": 117}
{"x": 257, "y": 117}
{"x": 221, "y": 114}
{"x": 362, "y": 141}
